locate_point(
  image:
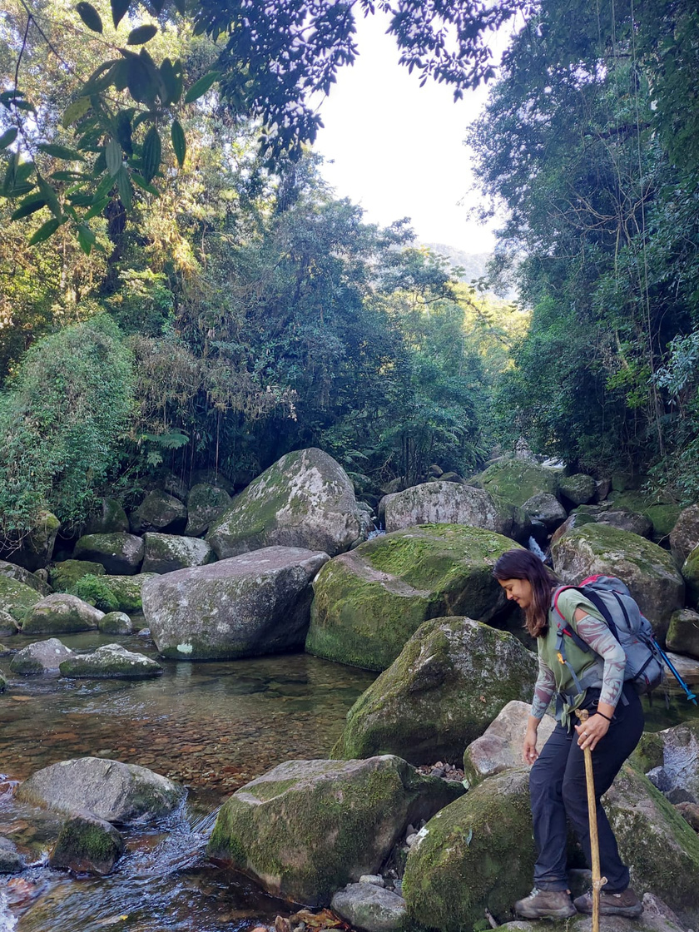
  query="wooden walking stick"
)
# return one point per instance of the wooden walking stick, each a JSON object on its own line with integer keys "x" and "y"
{"x": 597, "y": 881}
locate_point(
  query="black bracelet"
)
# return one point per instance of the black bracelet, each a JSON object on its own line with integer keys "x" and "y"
{"x": 597, "y": 712}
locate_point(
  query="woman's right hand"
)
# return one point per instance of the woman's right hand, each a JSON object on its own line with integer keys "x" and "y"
{"x": 529, "y": 751}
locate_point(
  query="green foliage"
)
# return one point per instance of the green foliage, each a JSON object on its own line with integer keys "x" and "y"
{"x": 61, "y": 421}
{"x": 93, "y": 590}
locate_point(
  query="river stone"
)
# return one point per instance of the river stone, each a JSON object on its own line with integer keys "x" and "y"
{"x": 648, "y": 570}
{"x": 370, "y": 601}
{"x": 40, "y": 657}
{"x": 690, "y": 573}
{"x": 113, "y": 791}
{"x": 366, "y": 906}
{"x": 688, "y": 669}
{"x": 8, "y": 626}
{"x": 445, "y": 503}
{"x": 111, "y": 661}
{"x": 64, "y": 576}
{"x": 110, "y": 519}
{"x": 16, "y": 598}
{"x": 684, "y": 537}
{"x": 12, "y": 571}
{"x": 87, "y": 844}
{"x": 113, "y": 593}
{"x": 500, "y": 747}
{"x": 655, "y": 841}
{"x": 304, "y": 500}
{"x": 205, "y": 505}
{"x": 11, "y": 861}
{"x": 516, "y": 480}
{"x": 37, "y": 547}
{"x": 545, "y": 511}
{"x": 627, "y": 521}
{"x": 159, "y": 511}
{"x": 121, "y": 554}
{"x": 116, "y": 623}
{"x": 253, "y": 604}
{"x": 579, "y": 489}
{"x": 690, "y": 813}
{"x": 307, "y": 828}
{"x": 683, "y": 633}
{"x": 449, "y": 682}
{"x": 61, "y": 613}
{"x": 166, "y": 553}
{"x": 477, "y": 853}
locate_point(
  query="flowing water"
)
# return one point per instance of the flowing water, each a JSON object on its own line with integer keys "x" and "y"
{"x": 210, "y": 726}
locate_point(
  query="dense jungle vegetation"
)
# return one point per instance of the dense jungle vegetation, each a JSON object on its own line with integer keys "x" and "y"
{"x": 179, "y": 289}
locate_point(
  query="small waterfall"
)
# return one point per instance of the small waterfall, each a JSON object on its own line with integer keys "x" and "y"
{"x": 535, "y": 548}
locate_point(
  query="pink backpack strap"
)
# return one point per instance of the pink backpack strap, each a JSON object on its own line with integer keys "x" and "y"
{"x": 556, "y": 595}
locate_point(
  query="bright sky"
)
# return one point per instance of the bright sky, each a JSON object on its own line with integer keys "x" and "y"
{"x": 397, "y": 149}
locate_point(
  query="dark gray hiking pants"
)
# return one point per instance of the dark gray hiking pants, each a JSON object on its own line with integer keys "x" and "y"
{"x": 558, "y": 790}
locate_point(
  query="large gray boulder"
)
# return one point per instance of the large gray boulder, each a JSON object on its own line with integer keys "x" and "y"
{"x": 684, "y": 537}
{"x": 87, "y": 844}
{"x": 111, "y": 661}
{"x": 450, "y": 681}
{"x": 113, "y": 791}
{"x": 304, "y": 500}
{"x": 159, "y": 511}
{"x": 121, "y": 554}
{"x": 627, "y": 521}
{"x": 446, "y": 503}
{"x": 545, "y": 511}
{"x": 647, "y": 569}
{"x": 16, "y": 598}
{"x": 499, "y": 748}
{"x": 307, "y": 828}
{"x": 109, "y": 519}
{"x": 579, "y": 489}
{"x": 683, "y": 633}
{"x": 205, "y": 505}
{"x": 61, "y": 613}
{"x": 19, "y": 573}
{"x": 166, "y": 553}
{"x": 370, "y": 601}
{"x": 40, "y": 657}
{"x": 516, "y": 480}
{"x": 256, "y": 603}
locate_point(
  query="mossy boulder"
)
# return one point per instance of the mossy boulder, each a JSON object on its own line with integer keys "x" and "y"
{"x": 64, "y": 575}
{"x": 683, "y": 633}
{"x": 446, "y": 503}
{"x": 166, "y": 553}
{"x": 648, "y": 753}
{"x": 40, "y": 658}
{"x": 545, "y": 512}
{"x": 662, "y": 510}
{"x": 87, "y": 844}
{"x": 61, "y": 613}
{"x": 370, "y": 601}
{"x": 37, "y": 547}
{"x": 16, "y": 598}
{"x": 111, "y": 661}
{"x": 307, "y": 828}
{"x": 648, "y": 570}
{"x": 257, "y": 603}
{"x": 159, "y": 511}
{"x": 304, "y": 500}
{"x": 627, "y": 521}
{"x": 205, "y": 504}
{"x": 685, "y": 534}
{"x": 114, "y": 593}
{"x": 20, "y": 574}
{"x": 516, "y": 480}
{"x": 94, "y": 591}
{"x": 655, "y": 841}
{"x": 113, "y": 791}
{"x": 449, "y": 682}
{"x": 110, "y": 519}
{"x": 116, "y": 623}
{"x": 121, "y": 554}
{"x": 578, "y": 489}
{"x": 499, "y": 748}
{"x": 690, "y": 574}
{"x": 8, "y": 626}
{"x": 477, "y": 853}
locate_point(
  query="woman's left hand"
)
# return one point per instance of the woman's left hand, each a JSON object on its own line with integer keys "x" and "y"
{"x": 591, "y": 732}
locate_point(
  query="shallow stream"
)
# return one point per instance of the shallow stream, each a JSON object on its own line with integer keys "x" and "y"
{"x": 210, "y": 726}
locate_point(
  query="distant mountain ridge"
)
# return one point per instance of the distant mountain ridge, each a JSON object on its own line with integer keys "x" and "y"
{"x": 474, "y": 264}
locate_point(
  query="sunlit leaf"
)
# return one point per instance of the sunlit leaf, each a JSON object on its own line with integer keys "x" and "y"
{"x": 114, "y": 156}
{"x": 86, "y": 238}
{"x": 50, "y": 196}
{"x": 141, "y": 35}
{"x": 89, "y": 15}
{"x": 179, "y": 142}
{"x": 45, "y": 231}
{"x": 200, "y": 87}
{"x": 75, "y": 111}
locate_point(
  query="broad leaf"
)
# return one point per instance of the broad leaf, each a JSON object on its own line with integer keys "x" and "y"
{"x": 8, "y": 137}
{"x": 29, "y": 205}
{"x": 124, "y": 130}
{"x": 119, "y": 9}
{"x": 141, "y": 35}
{"x": 97, "y": 208}
{"x": 172, "y": 80}
{"x": 89, "y": 15}
{"x": 75, "y": 111}
{"x": 61, "y": 152}
{"x": 179, "y": 142}
{"x": 200, "y": 87}
{"x": 45, "y": 231}
{"x": 124, "y": 187}
{"x": 114, "y": 156}
{"x": 86, "y": 238}
{"x": 50, "y": 197}
{"x": 142, "y": 183}
{"x": 152, "y": 151}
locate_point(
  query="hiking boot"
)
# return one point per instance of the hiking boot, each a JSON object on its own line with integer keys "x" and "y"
{"x": 612, "y": 904}
{"x": 545, "y": 904}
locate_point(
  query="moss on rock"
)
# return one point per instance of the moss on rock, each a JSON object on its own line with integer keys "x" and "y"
{"x": 517, "y": 480}
{"x": 87, "y": 844}
{"x": 476, "y": 854}
{"x": 683, "y": 633}
{"x": 205, "y": 505}
{"x": 63, "y": 576}
{"x": 16, "y": 598}
{"x": 370, "y": 601}
{"x": 110, "y": 662}
{"x": 307, "y": 828}
{"x": 94, "y": 591}
{"x": 116, "y": 623}
{"x": 119, "y": 593}
{"x": 690, "y": 573}
{"x": 119, "y": 553}
{"x": 648, "y": 753}
{"x": 578, "y": 489}
{"x": 658, "y": 507}
{"x": 110, "y": 519}
{"x": 452, "y": 678}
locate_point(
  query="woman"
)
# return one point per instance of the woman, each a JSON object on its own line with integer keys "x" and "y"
{"x": 586, "y": 679}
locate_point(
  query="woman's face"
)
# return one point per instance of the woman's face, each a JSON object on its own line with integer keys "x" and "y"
{"x": 518, "y": 590}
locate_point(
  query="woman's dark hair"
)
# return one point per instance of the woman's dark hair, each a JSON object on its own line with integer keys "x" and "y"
{"x": 523, "y": 564}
